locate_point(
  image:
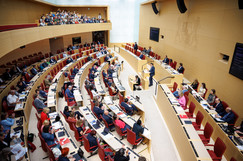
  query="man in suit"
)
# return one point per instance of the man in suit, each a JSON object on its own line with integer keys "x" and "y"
{"x": 69, "y": 93}
{"x": 69, "y": 60}
{"x": 151, "y": 74}
{"x": 229, "y": 117}
{"x": 45, "y": 64}
{"x": 42, "y": 93}
{"x": 219, "y": 108}
{"x": 108, "y": 119}
{"x": 75, "y": 70}
{"x": 94, "y": 68}
{"x": 92, "y": 140}
{"x": 137, "y": 82}
{"x": 181, "y": 68}
{"x": 49, "y": 136}
{"x": 148, "y": 51}
{"x": 26, "y": 75}
{"x": 52, "y": 60}
{"x": 130, "y": 108}
{"x": 34, "y": 70}
{"x": 138, "y": 128}
{"x": 99, "y": 111}
{"x": 7, "y": 75}
{"x": 89, "y": 58}
{"x": 92, "y": 76}
{"x": 39, "y": 104}
{"x": 166, "y": 60}
{"x": 135, "y": 46}
{"x": 141, "y": 56}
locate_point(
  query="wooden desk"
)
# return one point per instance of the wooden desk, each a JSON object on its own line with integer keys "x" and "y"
{"x": 117, "y": 82}
{"x": 97, "y": 80}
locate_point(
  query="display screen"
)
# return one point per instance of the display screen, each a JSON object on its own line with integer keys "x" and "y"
{"x": 154, "y": 34}
{"x": 76, "y": 40}
{"x": 236, "y": 67}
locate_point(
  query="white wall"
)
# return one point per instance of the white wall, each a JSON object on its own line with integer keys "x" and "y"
{"x": 124, "y": 15}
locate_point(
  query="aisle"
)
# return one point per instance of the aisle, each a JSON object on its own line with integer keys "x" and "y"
{"x": 162, "y": 143}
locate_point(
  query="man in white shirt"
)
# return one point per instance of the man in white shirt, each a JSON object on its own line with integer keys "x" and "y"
{"x": 12, "y": 99}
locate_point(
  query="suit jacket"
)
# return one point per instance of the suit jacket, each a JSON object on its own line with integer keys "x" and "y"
{"x": 69, "y": 94}
{"x": 39, "y": 104}
{"x": 44, "y": 65}
{"x": 152, "y": 71}
{"x": 141, "y": 56}
{"x": 91, "y": 76}
{"x": 135, "y": 47}
{"x": 229, "y": 117}
{"x": 107, "y": 58}
{"x": 43, "y": 93}
{"x": 128, "y": 109}
{"x": 98, "y": 111}
{"x": 61, "y": 158}
{"x": 138, "y": 81}
{"x": 52, "y": 61}
{"x": 180, "y": 69}
{"x": 49, "y": 138}
{"x": 118, "y": 157}
{"x": 33, "y": 71}
{"x": 138, "y": 130}
{"x": 219, "y": 108}
{"x": 108, "y": 118}
{"x": 75, "y": 71}
{"x": 89, "y": 58}
{"x": 166, "y": 60}
{"x": 92, "y": 140}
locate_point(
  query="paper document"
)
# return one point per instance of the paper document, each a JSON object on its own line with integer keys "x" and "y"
{"x": 18, "y": 150}
{"x": 57, "y": 125}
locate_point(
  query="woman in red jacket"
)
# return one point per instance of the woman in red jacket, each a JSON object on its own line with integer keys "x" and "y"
{"x": 44, "y": 115}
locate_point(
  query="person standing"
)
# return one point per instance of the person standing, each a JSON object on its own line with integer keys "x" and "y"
{"x": 151, "y": 74}
{"x": 135, "y": 46}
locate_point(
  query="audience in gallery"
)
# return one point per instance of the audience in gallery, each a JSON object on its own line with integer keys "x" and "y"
{"x": 129, "y": 107}
{"x": 211, "y": 97}
{"x": 181, "y": 68}
{"x": 121, "y": 124}
{"x": 138, "y": 129}
{"x": 122, "y": 155}
{"x": 68, "y": 17}
{"x": 39, "y": 104}
{"x": 202, "y": 90}
{"x": 135, "y": 47}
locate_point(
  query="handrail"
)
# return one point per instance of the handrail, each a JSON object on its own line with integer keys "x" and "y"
{"x": 15, "y": 27}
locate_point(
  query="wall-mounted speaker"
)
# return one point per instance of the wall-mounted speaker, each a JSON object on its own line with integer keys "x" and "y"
{"x": 155, "y": 8}
{"x": 181, "y": 6}
{"x": 240, "y": 3}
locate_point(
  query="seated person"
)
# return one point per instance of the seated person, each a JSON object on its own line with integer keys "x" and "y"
{"x": 99, "y": 111}
{"x": 34, "y": 71}
{"x": 73, "y": 117}
{"x": 69, "y": 93}
{"x": 39, "y": 104}
{"x": 49, "y": 136}
{"x": 44, "y": 114}
{"x": 7, "y": 75}
{"x": 219, "y": 108}
{"x": 48, "y": 81}
{"x": 40, "y": 97}
{"x": 107, "y": 58}
{"x": 26, "y": 75}
{"x": 45, "y": 123}
{"x": 81, "y": 128}
{"x": 138, "y": 129}
{"x": 89, "y": 58}
{"x": 120, "y": 155}
{"x": 21, "y": 87}
{"x": 52, "y": 60}
{"x": 202, "y": 90}
{"x": 7, "y": 121}
{"x": 130, "y": 108}
{"x": 108, "y": 118}
{"x": 166, "y": 60}
{"x": 69, "y": 60}
{"x": 181, "y": 68}
{"x": 4, "y": 147}
{"x": 110, "y": 82}
{"x": 149, "y": 50}
{"x": 110, "y": 71}
{"x": 12, "y": 99}
{"x": 93, "y": 142}
{"x": 75, "y": 70}
{"x": 182, "y": 100}
{"x": 141, "y": 56}
{"x": 229, "y": 117}
{"x": 195, "y": 84}
{"x": 176, "y": 93}
{"x": 94, "y": 68}
{"x": 92, "y": 76}
{"x": 104, "y": 73}
{"x": 239, "y": 129}
{"x": 94, "y": 92}
{"x": 88, "y": 84}
{"x": 66, "y": 112}
{"x": 42, "y": 93}
{"x": 121, "y": 124}
{"x": 144, "y": 50}
{"x": 137, "y": 82}
{"x": 211, "y": 97}
{"x": 45, "y": 64}
{"x": 114, "y": 89}
{"x": 63, "y": 156}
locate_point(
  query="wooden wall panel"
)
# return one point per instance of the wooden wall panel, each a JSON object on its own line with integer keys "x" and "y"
{"x": 85, "y": 37}
{"x": 196, "y": 39}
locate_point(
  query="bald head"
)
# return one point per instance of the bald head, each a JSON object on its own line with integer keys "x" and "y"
{"x": 217, "y": 100}
{"x": 228, "y": 109}
{"x": 106, "y": 112}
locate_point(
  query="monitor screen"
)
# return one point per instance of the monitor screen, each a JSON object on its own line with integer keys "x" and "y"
{"x": 76, "y": 40}
{"x": 154, "y": 34}
{"x": 236, "y": 67}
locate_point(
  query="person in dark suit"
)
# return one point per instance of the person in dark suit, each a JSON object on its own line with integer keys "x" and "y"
{"x": 34, "y": 71}
{"x": 98, "y": 111}
{"x": 7, "y": 75}
{"x": 45, "y": 64}
{"x": 137, "y": 82}
{"x": 151, "y": 74}
{"x": 104, "y": 73}
{"x": 92, "y": 140}
{"x": 110, "y": 71}
{"x": 141, "y": 56}
{"x": 69, "y": 93}
{"x": 135, "y": 46}
{"x": 21, "y": 87}
{"x": 89, "y": 58}
{"x": 181, "y": 68}
{"x": 138, "y": 128}
{"x": 229, "y": 117}
{"x": 52, "y": 60}
{"x": 107, "y": 58}
{"x": 166, "y": 60}
{"x": 92, "y": 76}
{"x": 75, "y": 70}
{"x": 108, "y": 119}
{"x": 49, "y": 136}
{"x": 195, "y": 84}
{"x": 94, "y": 68}
{"x": 219, "y": 108}
{"x": 42, "y": 93}
{"x": 38, "y": 103}
{"x": 69, "y": 60}
{"x": 130, "y": 108}
{"x": 120, "y": 155}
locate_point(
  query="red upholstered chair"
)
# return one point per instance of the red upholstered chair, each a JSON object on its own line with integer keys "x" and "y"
{"x": 70, "y": 101}
{"x": 158, "y": 57}
{"x": 131, "y": 138}
{"x": 50, "y": 153}
{"x": 205, "y": 93}
{"x": 72, "y": 52}
{"x": 186, "y": 93}
{"x": 5, "y": 107}
{"x": 123, "y": 108}
{"x": 71, "y": 123}
{"x": 175, "y": 85}
{"x": 232, "y": 159}
{"x": 37, "y": 116}
{"x": 87, "y": 146}
{"x": 198, "y": 122}
{"x": 43, "y": 143}
{"x": 192, "y": 107}
{"x": 110, "y": 92}
{"x": 46, "y": 55}
{"x": 143, "y": 57}
{"x": 207, "y": 132}
{"x": 225, "y": 105}
{"x": 92, "y": 105}
{"x": 236, "y": 117}
{"x": 39, "y": 125}
{"x": 38, "y": 110}
{"x": 110, "y": 158}
{"x": 218, "y": 151}
{"x": 106, "y": 124}
{"x": 171, "y": 63}
{"x": 187, "y": 99}
{"x": 101, "y": 151}
{"x": 174, "y": 64}
{"x": 63, "y": 115}
{"x": 121, "y": 98}
{"x": 119, "y": 131}
{"x": 76, "y": 134}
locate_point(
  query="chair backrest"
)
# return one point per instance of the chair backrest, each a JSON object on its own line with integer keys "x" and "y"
{"x": 64, "y": 115}
{"x": 50, "y": 153}
{"x": 186, "y": 93}
{"x": 208, "y": 130}
{"x": 187, "y": 99}
{"x": 236, "y": 117}
{"x": 131, "y": 136}
{"x": 118, "y": 129}
{"x": 106, "y": 124}
{"x": 199, "y": 118}
{"x": 174, "y": 64}
{"x": 110, "y": 158}
{"x": 39, "y": 125}
{"x": 92, "y": 104}
{"x": 71, "y": 123}
{"x": 175, "y": 85}
{"x": 232, "y": 159}
{"x": 43, "y": 143}
{"x": 225, "y": 105}
{"x": 101, "y": 152}
{"x": 110, "y": 91}
{"x": 192, "y": 107}
{"x": 37, "y": 116}
{"x": 86, "y": 143}
{"x": 219, "y": 147}
{"x": 76, "y": 134}
{"x": 205, "y": 93}
{"x": 121, "y": 98}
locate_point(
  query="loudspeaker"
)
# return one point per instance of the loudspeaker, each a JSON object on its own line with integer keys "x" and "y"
{"x": 22, "y": 47}
{"x": 155, "y": 8}
{"x": 240, "y": 3}
{"x": 181, "y": 6}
